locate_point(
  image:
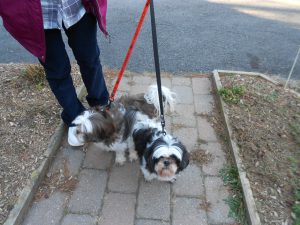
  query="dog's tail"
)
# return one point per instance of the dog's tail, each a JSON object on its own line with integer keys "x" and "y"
{"x": 169, "y": 97}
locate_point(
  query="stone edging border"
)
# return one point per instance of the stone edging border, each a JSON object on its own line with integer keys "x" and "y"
{"x": 252, "y": 213}
{"x": 20, "y": 209}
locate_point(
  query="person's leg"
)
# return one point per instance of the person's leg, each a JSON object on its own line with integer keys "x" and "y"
{"x": 57, "y": 68}
{"x": 82, "y": 38}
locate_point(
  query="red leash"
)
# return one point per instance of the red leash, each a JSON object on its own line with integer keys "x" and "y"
{"x": 129, "y": 52}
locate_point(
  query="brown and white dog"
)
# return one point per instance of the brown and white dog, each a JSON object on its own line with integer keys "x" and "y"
{"x": 132, "y": 124}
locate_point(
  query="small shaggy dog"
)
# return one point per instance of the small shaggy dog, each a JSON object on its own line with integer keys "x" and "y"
{"x": 131, "y": 124}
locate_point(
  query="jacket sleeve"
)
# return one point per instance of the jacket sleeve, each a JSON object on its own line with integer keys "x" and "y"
{"x": 0, "y": 9}
{"x": 89, "y": 7}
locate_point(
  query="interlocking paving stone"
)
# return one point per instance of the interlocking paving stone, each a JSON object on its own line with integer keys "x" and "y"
{"x": 216, "y": 192}
{"x": 188, "y": 136}
{"x": 121, "y": 93}
{"x": 214, "y": 166}
{"x": 124, "y": 84}
{"x": 189, "y": 182}
{"x": 88, "y": 195}
{"x": 188, "y": 211}
{"x": 201, "y": 86}
{"x": 118, "y": 209}
{"x": 76, "y": 219}
{"x": 213, "y": 148}
{"x": 144, "y": 80}
{"x": 181, "y": 81}
{"x": 154, "y": 205}
{"x": 166, "y": 81}
{"x": 184, "y": 110}
{"x": 204, "y": 104}
{"x": 217, "y": 160}
{"x": 97, "y": 158}
{"x": 124, "y": 178}
{"x": 184, "y": 94}
{"x": 154, "y": 200}
{"x": 50, "y": 210}
{"x": 70, "y": 158}
{"x": 151, "y": 222}
{"x": 168, "y": 121}
{"x": 168, "y": 124}
{"x": 137, "y": 89}
{"x": 184, "y": 121}
{"x": 184, "y": 115}
{"x": 206, "y": 131}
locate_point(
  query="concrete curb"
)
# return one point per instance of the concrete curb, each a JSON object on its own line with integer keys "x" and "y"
{"x": 252, "y": 213}
{"x": 17, "y": 214}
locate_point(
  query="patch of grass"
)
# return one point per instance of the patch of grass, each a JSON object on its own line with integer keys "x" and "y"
{"x": 235, "y": 201}
{"x": 232, "y": 94}
{"x": 35, "y": 74}
{"x": 230, "y": 176}
{"x": 237, "y": 209}
{"x": 296, "y": 208}
{"x": 295, "y": 130}
{"x": 294, "y": 166}
{"x": 293, "y": 163}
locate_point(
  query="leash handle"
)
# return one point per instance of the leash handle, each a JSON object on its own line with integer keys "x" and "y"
{"x": 157, "y": 67}
{"x": 129, "y": 52}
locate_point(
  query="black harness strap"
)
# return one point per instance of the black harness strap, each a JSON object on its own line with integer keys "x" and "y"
{"x": 157, "y": 68}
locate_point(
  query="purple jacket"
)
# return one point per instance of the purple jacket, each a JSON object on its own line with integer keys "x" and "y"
{"x": 24, "y": 21}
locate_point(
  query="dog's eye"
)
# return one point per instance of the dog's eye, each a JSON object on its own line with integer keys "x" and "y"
{"x": 173, "y": 157}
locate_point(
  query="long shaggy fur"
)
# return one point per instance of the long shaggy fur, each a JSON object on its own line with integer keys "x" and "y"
{"x": 169, "y": 98}
{"x": 120, "y": 129}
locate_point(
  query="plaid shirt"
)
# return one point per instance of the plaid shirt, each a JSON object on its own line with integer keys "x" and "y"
{"x": 57, "y": 11}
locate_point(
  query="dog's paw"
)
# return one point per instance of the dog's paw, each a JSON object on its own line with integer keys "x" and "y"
{"x": 118, "y": 163}
{"x": 147, "y": 180}
{"x": 173, "y": 180}
{"x": 120, "y": 160}
{"x": 132, "y": 156}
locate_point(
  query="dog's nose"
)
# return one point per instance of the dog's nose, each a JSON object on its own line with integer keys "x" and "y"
{"x": 166, "y": 163}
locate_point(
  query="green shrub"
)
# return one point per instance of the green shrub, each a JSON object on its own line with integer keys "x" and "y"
{"x": 232, "y": 94}
{"x": 230, "y": 176}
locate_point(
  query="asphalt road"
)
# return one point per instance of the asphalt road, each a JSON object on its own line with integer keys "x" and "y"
{"x": 197, "y": 36}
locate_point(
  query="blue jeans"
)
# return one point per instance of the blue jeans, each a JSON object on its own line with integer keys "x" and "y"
{"x": 83, "y": 41}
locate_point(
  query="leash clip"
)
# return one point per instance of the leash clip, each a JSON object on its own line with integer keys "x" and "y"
{"x": 163, "y": 123}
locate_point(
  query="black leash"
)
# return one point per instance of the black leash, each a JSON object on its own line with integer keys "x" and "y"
{"x": 157, "y": 68}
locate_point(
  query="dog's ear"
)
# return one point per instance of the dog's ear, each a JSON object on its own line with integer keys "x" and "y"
{"x": 185, "y": 160}
{"x": 141, "y": 138}
{"x": 151, "y": 163}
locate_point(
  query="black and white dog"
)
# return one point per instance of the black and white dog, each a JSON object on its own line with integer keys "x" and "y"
{"x": 131, "y": 124}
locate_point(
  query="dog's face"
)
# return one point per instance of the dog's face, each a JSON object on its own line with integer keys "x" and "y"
{"x": 166, "y": 166}
{"x": 168, "y": 159}
{"x": 97, "y": 126}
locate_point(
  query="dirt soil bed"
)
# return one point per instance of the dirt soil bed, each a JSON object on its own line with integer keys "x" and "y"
{"x": 29, "y": 115}
{"x": 266, "y": 125}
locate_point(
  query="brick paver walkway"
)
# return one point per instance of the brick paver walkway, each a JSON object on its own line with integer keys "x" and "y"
{"x": 110, "y": 195}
